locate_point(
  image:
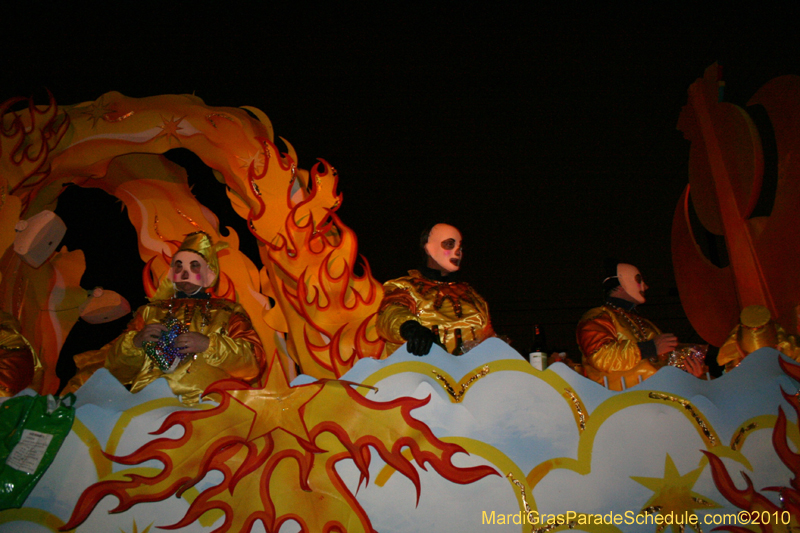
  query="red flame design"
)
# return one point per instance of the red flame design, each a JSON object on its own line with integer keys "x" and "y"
{"x": 749, "y": 499}
{"x": 263, "y": 455}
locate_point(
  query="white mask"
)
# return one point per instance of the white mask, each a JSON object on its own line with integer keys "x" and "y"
{"x": 444, "y": 247}
{"x": 190, "y": 272}
{"x": 630, "y": 279}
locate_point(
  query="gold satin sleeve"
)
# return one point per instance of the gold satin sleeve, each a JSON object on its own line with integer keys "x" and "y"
{"x": 233, "y": 351}
{"x": 611, "y": 350}
{"x": 397, "y": 307}
{"x": 401, "y": 302}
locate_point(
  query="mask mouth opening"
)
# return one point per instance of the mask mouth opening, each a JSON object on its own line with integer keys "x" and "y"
{"x": 190, "y": 289}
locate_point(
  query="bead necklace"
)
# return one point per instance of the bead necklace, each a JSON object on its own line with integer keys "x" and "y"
{"x": 639, "y": 329}
{"x": 163, "y": 351}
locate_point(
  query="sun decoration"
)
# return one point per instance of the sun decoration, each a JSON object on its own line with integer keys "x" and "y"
{"x": 674, "y": 495}
{"x": 277, "y": 449}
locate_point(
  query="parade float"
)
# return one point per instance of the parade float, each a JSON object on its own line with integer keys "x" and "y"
{"x": 336, "y": 437}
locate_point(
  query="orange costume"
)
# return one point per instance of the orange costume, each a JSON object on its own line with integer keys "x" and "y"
{"x": 452, "y": 310}
{"x": 612, "y": 339}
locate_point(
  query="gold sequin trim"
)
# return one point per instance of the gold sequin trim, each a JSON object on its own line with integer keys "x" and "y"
{"x": 210, "y": 119}
{"x": 701, "y": 501}
{"x": 155, "y": 228}
{"x": 550, "y": 527}
{"x": 460, "y": 394}
{"x": 188, "y": 219}
{"x": 516, "y": 482}
{"x": 688, "y": 406}
{"x": 255, "y": 188}
{"x": 578, "y": 409}
{"x": 740, "y": 435}
{"x": 119, "y": 118}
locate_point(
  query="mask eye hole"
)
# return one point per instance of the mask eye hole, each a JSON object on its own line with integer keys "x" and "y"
{"x": 449, "y": 244}
{"x": 638, "y": 278}
{"x": 195, "y": 267}
{"x": 178, "y": 266}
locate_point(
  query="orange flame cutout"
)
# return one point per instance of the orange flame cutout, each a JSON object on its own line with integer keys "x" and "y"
{"x": 330, "y": 310}
{"x": 26, "y": 142}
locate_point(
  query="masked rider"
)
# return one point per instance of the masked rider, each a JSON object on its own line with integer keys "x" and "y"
{"x": 617, "y": 343}
{"x": 185, "y": 335}
{"x": 431, "y": 305}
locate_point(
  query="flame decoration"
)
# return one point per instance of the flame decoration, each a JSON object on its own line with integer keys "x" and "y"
{"x": 279, "y": 436}
{"x": 749, "y": 499}
{"x": 329, "y": 309}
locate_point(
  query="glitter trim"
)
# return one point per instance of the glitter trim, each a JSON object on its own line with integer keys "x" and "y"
{"x": 155, "y": 227}
{"x": 119, "y": 118}
{"x": 210, "y": 118}
{"x": 577, "y": 407}
{"x": 457, "y": 396}
{"x": 688, "y": 406}
{"x": 188, "y": 219}
{"x": 516, "y": 482}
{"x": 740, "y": 435}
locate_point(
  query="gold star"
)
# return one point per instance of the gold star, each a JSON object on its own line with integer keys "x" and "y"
{"x": 257, "y": 160}
{"x": 171, "y": 127}
{"x": 673, "y": 495}
{"x": 97, "y": 110}
{"x": 277, "y": 405}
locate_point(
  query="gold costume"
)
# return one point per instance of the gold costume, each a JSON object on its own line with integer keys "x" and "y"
{"x": 452, "y": 310}
{"x": 609, "y": 338}
{"x": 234, "y": 349}
{"x": 19, "y": 366}
{"x": 756, "y": 330}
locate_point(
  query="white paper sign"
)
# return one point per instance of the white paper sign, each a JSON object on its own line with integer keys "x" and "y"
{"x": 28, "y": 452}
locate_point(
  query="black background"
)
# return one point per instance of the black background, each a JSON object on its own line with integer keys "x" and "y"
{"x": 546, "y": 135}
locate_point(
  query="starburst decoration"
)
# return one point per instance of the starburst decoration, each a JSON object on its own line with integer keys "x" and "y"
{"x": 170, "y": 127}
{"x": 673, "y": 494}
{"x": 97, "y": 110}
{"x": 256, "y": 160}
{"x": 277, "y": 448}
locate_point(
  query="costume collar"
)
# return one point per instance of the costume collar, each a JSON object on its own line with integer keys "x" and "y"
{"x": 201, "y": 295}
{"x": 622, "y": 304}
{"x": 436, "y": 275}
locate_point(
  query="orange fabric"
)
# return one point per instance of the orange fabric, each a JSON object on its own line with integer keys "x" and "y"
{"x": 610, "y": 346}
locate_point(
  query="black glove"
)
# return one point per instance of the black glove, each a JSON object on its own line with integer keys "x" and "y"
{"x": 419, "y": 338}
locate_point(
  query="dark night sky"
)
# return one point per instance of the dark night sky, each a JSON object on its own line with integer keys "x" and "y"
{"x": 548, "y": 138}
